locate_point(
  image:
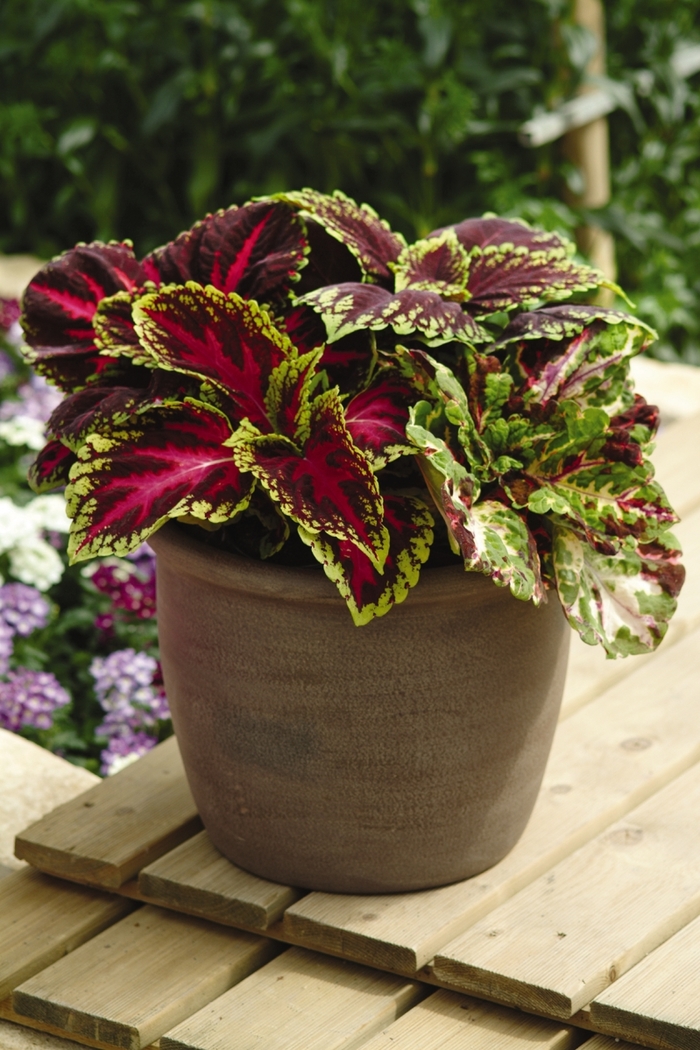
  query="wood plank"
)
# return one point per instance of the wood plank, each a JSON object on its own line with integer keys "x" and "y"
{"x": 590, "y": 673}
{"x": 449, "y": 1021}
{"x": 106, "y": 835}
{"x": 606, "y": 759}
{"x": 197, "y": 879}
{"x": 41, "y": 919}
{"x": 559, "y": 943}
{"x": 141, "y": 977}
{"x": 657, "y": 1003}
{"x": 34, "y": 1035}
{"x": 300, "y": 1001}
{"x": 676, "y": 463}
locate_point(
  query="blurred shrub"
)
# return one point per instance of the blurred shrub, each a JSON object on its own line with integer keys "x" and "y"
{"x": 131, "y": 118}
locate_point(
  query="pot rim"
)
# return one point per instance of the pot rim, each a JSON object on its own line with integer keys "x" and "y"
{"x": 235, "y": 572}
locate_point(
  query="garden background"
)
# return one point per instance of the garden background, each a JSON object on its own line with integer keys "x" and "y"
{"x": 132, "y": 118}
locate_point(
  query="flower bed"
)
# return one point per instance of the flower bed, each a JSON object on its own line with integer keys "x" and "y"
{"x": 79, "y": 671}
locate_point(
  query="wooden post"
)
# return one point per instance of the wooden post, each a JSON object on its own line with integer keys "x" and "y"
{"x": 588, "y": 149}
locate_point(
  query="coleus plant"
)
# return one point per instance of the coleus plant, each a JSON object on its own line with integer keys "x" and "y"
{"x": 291, "y": 370}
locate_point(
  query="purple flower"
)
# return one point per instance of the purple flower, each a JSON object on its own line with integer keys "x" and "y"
{"x": 29, "y": 698}
{"x": 128, "y": 687}
{"x": 37, "y": 400}
{"x": 9, "y": 313}
{"x": 22, "y": 608}
{"x": 124, "y": 749}
{"x": 130, "y": 586}
{"x": 6, "y": 636}
{"x": 6, "y": 366}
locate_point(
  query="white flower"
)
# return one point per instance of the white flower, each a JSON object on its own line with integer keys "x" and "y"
{"x": 49, "y": 512}
{"x": 13, "y": 524}
{"x": 23, "y": 431}
{"x": 36, "y": 562}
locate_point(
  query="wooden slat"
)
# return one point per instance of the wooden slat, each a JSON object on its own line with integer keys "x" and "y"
{"x": 41, "y": 919}
{"x": 144, "y": 975}
{"x": 449, "y": 1021}
{"x": 300, "y": 1001}
{"x": 106, "y": 835}
{"x": 658, "y": 1002}
{"x": 606, "y": 759}
{"x": 676, "y": 463}
{"x": 559, "y": 943}
{"x": 590, "y": 673}
{"x": 34, "y": 1035}
{"x": 195, "y": 878}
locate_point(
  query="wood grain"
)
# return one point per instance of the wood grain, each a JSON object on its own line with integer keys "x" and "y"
{"x": 448, "y": 1021}
{"x": 658, "y": 1002}
{"x": 142, "y": 976}
{"x": 42, "y": 919}
{"x": 559, "y": 943}
{"x": 300, "y": 1001}
{"x": 606, "y": 759}
{"x": 29, "y": 1033}
{"x": 106, "y": 835}
{"x": 197, "y": 879}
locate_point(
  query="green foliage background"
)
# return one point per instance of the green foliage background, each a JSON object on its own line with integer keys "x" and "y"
{"x": 131, "y": 118}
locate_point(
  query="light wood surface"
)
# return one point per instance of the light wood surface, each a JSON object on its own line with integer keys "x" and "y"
{"x": 448, "y": 1021}
{"x": 676, "y": 463}
{"x": 42, "y": 919}
{"x": 196, "y": 878}
{"x": 658, "y": 1002}
{"x": 300, "y": 1001}
{"x": 606, "y": 759}
{"x": 559, "y": 943}
{"x": 106, "y": 835}
{"x": 142, "y": 976}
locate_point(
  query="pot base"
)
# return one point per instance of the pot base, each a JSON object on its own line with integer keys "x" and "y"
{"x": 398, "y": 756}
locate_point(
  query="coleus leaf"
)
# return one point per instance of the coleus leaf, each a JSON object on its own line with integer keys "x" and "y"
{"x": 349, "y": 361}
{"x": 437, "y": 264}
{"x": 256, "y": 251}
{"x": 377, "y": 418}
{"x": 631, "y": 432}
{"x": 510, "y": 263}
{"x": 328, "y": 262}
{"x": 608, "y": 500}
{"x": 367, "y": 592}
{"x": 325, "y": 484}
{"x": 172, "y": 463}
{"x": 351, "y": 307}
{"x": 51, "y": 467}
{"x": 220, "y": 338}
{"x": 60, "y": 302}
{"x": 358, "y": 227}
{"x": 591, "y": 368}
{"x": 622, "y": 601}
{"x": 563, "y": 321}
{"x": 289, "y": 392}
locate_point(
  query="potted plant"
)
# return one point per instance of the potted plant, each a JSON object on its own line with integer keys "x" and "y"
{"x": 289, "y": 383}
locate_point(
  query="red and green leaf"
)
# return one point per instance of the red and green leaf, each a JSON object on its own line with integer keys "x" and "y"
{"x": 367, "y": 592}
{"x": 349, "y": 308}
{"x": 622, "y": 601}
{"x": 220, "y": 338}
{"x": 437, "y": 264}
{"x": 326, "y": 484}
{"x": 562, "y": 322}
{"x": 377, "y": 418}
{"x": 369, "y": 238}
{"x": 255, "y": 251}
{"x": 51, "y": 467}
{"x": 173, "y": 462}
{"x": 630, "y": 433}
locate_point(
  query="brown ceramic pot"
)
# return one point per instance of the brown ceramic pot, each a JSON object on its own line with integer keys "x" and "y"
{"x": 400, "y": 755}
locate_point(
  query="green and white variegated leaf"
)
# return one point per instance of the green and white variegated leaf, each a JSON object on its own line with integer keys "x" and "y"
{"x": 591, "y": 369}
{"x": 607, "y": 499}
{"x": 621, "y": 601}
{"x": 437, "y": 264}
{"x": 353, "y": 307}
{"x": 368, "y": 592}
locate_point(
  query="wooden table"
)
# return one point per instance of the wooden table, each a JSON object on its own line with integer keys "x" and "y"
{"x": 589, "y": 930}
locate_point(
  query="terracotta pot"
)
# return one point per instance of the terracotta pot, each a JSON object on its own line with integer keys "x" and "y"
{"x": 400, "y": 755}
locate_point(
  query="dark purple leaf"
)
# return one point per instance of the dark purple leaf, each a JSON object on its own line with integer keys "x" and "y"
{"x": 51, "y": 467}
{"x": 559, "y": 322}
{"x": 377, "y": 418}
